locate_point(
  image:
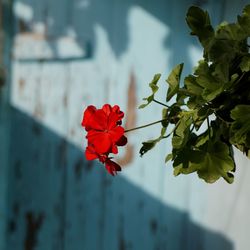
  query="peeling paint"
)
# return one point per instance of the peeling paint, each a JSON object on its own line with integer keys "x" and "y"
{"x": 65, "y": 100}
{"x": 38, "y": 112}
{"x": 62, "y": 153}
{"x": 130, "y": 120}
{"x": 78, "y": 168}
{"x": 121, "y": 240}
{"x": 153, "y": 226}
{"x": 21, "y": 84}
{"x": 22, "y": 25}
{"x": 2, "y": 76}
{"x": 12, "y": 226}
{"x": 33, "y": 225}
{"x": 36, "y": 129}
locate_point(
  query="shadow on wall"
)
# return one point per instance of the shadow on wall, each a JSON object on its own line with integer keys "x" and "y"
{"x": 80, "y": 19}
{"x": 59, "y": 201}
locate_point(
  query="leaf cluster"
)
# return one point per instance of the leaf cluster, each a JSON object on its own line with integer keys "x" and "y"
{"x": 211, "y": 110}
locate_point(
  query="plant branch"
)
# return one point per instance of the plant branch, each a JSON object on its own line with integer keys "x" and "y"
{"x": 146, "y": 125}
{"x": 161, "y": 103}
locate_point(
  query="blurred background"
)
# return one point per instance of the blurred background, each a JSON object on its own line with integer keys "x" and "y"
{"x": 62, "y": 55}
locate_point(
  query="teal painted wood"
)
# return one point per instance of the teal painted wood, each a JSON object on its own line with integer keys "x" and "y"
{"x": 59, "y": 201}
{"x": 6, "y": 42}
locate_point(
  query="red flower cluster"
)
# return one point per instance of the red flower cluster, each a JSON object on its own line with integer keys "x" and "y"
{"x": 104, "y": 134}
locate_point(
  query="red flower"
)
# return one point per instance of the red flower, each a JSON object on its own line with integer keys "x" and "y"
{"x": 104, "y": 134}
{"x": 111, "y": 166}
{"x": 103, "y": 127}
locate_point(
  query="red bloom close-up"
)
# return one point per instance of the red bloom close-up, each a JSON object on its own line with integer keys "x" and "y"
{"x": 104, "y": 134}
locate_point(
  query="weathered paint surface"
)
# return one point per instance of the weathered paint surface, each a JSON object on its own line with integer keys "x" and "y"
{"x": 110, "y": 51}
{"x": 5, "y": 43}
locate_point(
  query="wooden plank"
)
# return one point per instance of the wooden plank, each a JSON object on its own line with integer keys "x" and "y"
{"x": 32, "y": 46}
{"x": 6, "y": 29}
{"x": 38, "y": 163}
{"x": 85, "y": 188}
{"x": 37, "y": 167}
{"x": 58, "y": 200}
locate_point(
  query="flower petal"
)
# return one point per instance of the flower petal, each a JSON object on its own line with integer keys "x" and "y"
{"x": 87, "y": 116}
{"x": 99, "y": 120}
{"x": 112, "y": 167}
{"x": 122, "y": 141}
{"x": 114, "y": 149}
{"x": 101, "y": 141}
{"x": 115, "y": 117}
{"x": 107, "y": 109}
{"x": 116, "y": 133}
{"x": 90, "y": 153}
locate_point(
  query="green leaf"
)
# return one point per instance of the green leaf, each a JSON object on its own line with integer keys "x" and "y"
{"x": 147, "y": 145}
{"x": 223, "y": 51}
{"x": 221, "y": 72}
{"x": 192, "y": 86}
{"x": 174, "y": 113}
{"x": 245, "y": 64}
{"x": 217, "y": 163}
{"x": 200, "y": 115}
{"x": 182, "y": 131}
{"x": 240, "y": 128}
{"x": 163, "y": 131}
{"x": 168, "y": 157}
{"x": 199, "y": 22}
{"x": 187, "y": 161}
{"x": 154, "y": 89}
{"x": 165, "y": 121}
{"x": 174, "y": 81}
{"x": 211, "y": 162}
{"x": 211, "y": 86}
{"x": 194, "y": 92}
{"x": 230, "y": 31}
{"x": 202, "y": 139}
{"x": 244, "y": 20}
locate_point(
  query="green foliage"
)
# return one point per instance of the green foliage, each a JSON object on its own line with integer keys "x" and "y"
{"x": 174, "y": 81}
{"x": 154, "y": 88}
{"x": 240, "y": 128}
{"x": 216, "y": 97}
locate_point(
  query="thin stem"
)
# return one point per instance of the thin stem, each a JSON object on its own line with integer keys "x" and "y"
{"x": 144, "y": 126}
{"x": 166, "y": 136}
{"x": 227, "y": 122}
{"x": 161, "y": 103}
{"x": 240, "y": 77}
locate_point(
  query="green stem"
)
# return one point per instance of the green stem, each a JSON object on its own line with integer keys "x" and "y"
{"x": 144, "y": 126}
{"x": 161, "y": 103}
{"x": 166, "y": 136}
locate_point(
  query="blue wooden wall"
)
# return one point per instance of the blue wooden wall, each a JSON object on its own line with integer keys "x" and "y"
{"x": 5, "y": 48}
{"x": 65, "y": 56}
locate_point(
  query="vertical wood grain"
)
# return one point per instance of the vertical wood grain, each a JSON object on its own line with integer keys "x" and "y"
{"x": 60, "y": 201}
{"x": 6, "y": 29}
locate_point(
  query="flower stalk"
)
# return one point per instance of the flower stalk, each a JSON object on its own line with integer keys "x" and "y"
{"x": 146, "y": 125}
